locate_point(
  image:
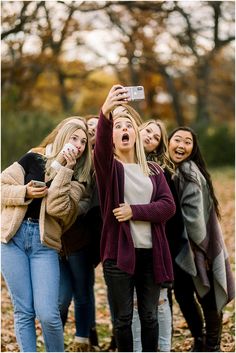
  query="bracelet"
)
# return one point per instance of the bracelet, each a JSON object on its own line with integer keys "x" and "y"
{"x": 56, "y": 165}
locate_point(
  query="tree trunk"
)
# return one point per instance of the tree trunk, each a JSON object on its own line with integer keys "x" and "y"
{"x": 202, "y": 93}
{"x": 65, "y": 102}
{"x": 175, "y": 98}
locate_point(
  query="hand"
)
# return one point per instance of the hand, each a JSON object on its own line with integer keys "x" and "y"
{"x": 123, "y": 213}
{"x": 70, "y": 157}
{"x": 33, "y": 192}
{"x": 118, "y": 95}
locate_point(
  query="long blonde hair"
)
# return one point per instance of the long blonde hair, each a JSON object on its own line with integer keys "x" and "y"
{"x": 138, "y": 147}
{"x": 83, "y": 164}
{"x": 49, "y": 139}
{"x": 160, "y": 155}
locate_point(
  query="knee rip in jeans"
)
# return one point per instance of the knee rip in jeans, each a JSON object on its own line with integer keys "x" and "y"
{"x": 161, "y": 302}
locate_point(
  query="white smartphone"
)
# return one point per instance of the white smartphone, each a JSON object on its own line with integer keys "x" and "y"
{"x": 136, "y": 93}
{"x": 38, "y": 184}
{"x": 69, "y": 146}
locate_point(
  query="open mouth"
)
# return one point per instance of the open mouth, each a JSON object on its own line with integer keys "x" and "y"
{"x": 125, "y": 138}
{"x": 179, "y": 153}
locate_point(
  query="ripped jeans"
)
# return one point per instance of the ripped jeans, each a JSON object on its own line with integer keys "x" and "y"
{"x": 164, "y": 324}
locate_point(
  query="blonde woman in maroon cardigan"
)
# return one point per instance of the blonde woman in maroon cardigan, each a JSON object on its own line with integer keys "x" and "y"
{"x": 135, "y": 204}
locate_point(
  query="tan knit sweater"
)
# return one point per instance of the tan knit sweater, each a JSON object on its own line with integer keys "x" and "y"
{"x": 58, "y": 209}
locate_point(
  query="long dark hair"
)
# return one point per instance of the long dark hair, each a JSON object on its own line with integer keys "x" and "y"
{"x": 197, "y": 157}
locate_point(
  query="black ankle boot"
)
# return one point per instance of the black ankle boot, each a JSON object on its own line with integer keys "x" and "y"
{"x": 112, "y": 346}
{"x": 199, "y": 344}
{"x": 93, "y": 337}
{"x": 212, "y": 348}
{"x": 213, "y": 331}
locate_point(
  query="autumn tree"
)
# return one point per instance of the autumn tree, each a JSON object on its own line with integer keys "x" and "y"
{"x": 206, "y": 40}
{"x": 172, "y": 48}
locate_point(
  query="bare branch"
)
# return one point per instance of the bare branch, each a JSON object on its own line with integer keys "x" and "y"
{"x": 22, "y": 19}
{"x": 189, "y": 34}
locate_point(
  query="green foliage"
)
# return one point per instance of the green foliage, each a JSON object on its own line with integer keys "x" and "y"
{"x": 20, "y": 131}
{"x": 217, "y": 144}
{"x": 10, "y": 97}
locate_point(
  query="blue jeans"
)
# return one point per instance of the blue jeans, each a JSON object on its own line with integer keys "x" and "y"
{"x": 77, "y": 282}
{"x": 121, "y": 291}
{"x": 31, "y": 272}
{"x": 164, "y": 324}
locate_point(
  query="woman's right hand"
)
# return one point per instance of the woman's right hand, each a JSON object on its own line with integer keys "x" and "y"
{"x": 33, "y": 192}
{"x": 118, "y": 95}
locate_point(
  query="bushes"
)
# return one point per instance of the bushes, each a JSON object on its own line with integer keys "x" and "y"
{"x": 24, "y": 130}
{"x": 20, "y": 131}
{"x": 217, "y": 144}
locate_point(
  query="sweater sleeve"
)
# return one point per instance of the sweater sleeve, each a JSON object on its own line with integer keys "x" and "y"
{"x": 63, "y": 194}
{"x": 103, "y": 152}
{"x": 85, "y": 201}
{"x": 13, "y": 190}
{"x": 159, "y": 210}
{"x": 103, "y": 155}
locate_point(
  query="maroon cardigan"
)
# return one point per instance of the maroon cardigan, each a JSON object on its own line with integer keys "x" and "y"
{"x": 116, "y": 239}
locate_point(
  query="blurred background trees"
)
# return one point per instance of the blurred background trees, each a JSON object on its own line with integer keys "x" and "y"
{"x": 61, "y": 58}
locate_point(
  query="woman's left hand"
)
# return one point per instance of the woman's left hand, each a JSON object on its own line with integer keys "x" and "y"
{"x": 123, "y": 213}
{"x": 70, "y": 157}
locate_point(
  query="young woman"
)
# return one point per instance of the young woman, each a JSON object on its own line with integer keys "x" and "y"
{"x": 33, "y": 220}
{"x": 135, "y": 115}
{"x": 135, "y": 204}
{"x": 204, "y": 266}
{"x": 79, "y": 254}
{"x": 78, "y": 258}
{"x": 155, "y": 142}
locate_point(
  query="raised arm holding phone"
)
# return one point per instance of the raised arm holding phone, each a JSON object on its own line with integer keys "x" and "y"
{"x": 135, "y": 204}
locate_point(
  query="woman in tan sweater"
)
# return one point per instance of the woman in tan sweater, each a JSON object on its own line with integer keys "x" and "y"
{"x": 33, "y": 219}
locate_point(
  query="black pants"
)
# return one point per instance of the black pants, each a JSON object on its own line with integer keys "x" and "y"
{"x": 121, "y": 291}
{"x": 196, "y": 312}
